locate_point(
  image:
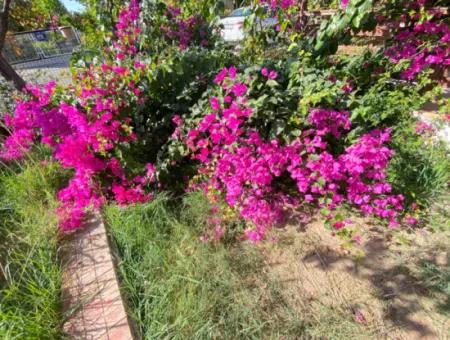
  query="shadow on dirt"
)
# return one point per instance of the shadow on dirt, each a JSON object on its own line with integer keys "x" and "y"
{"x": 396, "y": 284}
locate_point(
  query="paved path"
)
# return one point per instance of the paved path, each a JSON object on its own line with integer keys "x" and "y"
{"x": 44, "y": 70}
{"x": 91, "y": 294}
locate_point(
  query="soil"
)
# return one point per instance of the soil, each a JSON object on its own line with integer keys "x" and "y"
{"x": 375, "y": 283}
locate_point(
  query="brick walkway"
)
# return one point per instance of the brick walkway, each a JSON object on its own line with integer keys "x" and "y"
{"x": 91, "y": 293}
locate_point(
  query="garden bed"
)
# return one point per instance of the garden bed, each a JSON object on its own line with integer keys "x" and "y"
{"x": 234, "y": 184}
{"x": 306, "y": 283}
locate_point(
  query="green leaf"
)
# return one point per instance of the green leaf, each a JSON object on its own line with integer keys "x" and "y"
{"x": 325, "y": 211}
{"x": 278, "y": 127}
{"x": 272, "y": 83}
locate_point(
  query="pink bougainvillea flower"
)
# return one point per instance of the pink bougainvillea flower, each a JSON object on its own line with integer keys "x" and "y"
{"x": 357, "y": 239}
{"x": 347, "y": 88}
{"x": 177, "y": 120}
{"x": 214, "y": 103}
{"x": 411, "y": 220}
{"x": 423, "y": 127}
{"x": 359, "y": 317}
{"x": 338, "y": 225}
{"x": 273, "y": 75}
{"x": 239, "y": 89}
{"x": 221, "y": 76}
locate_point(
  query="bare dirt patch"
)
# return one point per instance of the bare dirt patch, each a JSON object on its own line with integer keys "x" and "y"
{"x": 375, "y": 289}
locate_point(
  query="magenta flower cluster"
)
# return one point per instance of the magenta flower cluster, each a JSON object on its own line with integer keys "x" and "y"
{"x": 283, "y": 4}
{"x": 85, "y": 130}
{"x": 269, "y": 74}
{"x": 344, "y": 4}
{"x": 250, "y": 173}
{"x": 184, "y": 31}
{"x": 421, "y": 38}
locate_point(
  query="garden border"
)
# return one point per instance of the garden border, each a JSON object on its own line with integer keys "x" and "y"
{"x": 91, "y": 294}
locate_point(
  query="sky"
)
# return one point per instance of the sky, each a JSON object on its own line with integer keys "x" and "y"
{"x": 72, "y": 5}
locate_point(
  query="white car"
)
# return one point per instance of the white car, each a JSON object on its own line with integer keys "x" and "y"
{"x": 233, "y": 25}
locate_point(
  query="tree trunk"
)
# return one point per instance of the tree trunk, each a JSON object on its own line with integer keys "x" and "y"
{"x": 4, "y": 16}
{"x": 6, "y": 69}
{"x": 10, "y": 74}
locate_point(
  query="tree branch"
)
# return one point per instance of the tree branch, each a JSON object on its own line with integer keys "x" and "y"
{"x": 8, "y": 72}
{"x": 302, "y": 14}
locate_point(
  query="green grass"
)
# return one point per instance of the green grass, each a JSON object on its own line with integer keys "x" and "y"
{"x": 177, "y": 287}
{"x": 30, "y": 273}
{"x": 180, "y": 288}
{"x": 419, "y": 169}
{"x": 437, "y": 279}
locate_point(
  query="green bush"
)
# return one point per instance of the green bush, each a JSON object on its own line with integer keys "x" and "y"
{"x": 420, "y": 168}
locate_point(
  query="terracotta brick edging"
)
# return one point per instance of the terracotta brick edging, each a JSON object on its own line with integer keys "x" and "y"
{"x": 91, "y": 295}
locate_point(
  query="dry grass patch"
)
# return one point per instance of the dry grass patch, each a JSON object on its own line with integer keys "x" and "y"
{"x": 377, "y": 289}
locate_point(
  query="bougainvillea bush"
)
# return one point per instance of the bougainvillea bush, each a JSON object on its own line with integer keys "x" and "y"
{"x": 265, "y": 179}
{"x": 164, "y": 108}
{"x": 84, "y": 124}
{"x": 91, "y": 124}
{"x": 420, "y": 36}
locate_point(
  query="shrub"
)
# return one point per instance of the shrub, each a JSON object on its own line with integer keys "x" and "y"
{"x": 420, "y": 36}
{"x": 420, "y": 167}
{"x": 304, "y": 124}
{"x": 256, "y": 177}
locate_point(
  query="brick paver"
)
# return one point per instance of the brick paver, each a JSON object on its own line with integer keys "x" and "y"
{"x": 90, "y": 288}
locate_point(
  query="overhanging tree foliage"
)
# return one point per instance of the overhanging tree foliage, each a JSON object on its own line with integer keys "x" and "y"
{"x": 26, "y": 15}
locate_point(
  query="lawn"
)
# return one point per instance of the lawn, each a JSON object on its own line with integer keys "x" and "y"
{"x": 30, "y": 271}
{"x": 307, "y": 283}
{"x": 180, "y": 288}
